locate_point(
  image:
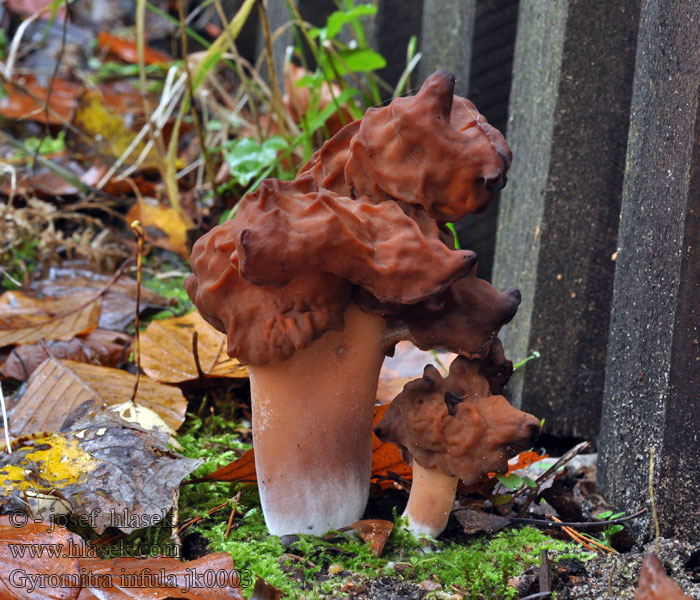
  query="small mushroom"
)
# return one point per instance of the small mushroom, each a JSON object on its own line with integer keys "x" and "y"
{"x": 654, "y": 584}
{"x": 316, "y": 279}
{"x": 453, "y": 428}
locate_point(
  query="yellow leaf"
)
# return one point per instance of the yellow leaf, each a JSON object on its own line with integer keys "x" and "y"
{"x": 25, "y": 320}
{"x": 166, "y": 350}
{"x": 164, "y": 226}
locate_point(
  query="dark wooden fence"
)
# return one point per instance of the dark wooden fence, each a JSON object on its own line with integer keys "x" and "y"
{"x": 599, "y": 225}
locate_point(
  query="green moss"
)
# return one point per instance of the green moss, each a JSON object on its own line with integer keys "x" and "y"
{"x": 479, "y": 569}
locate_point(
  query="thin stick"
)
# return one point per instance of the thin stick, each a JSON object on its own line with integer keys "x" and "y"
{"x": 654, "y": 514}
{"x": 193, "y": 110}
{"x": 200, "y": 518}
{"x": 236, "y": 498}
{"x": 582, "y": 524}
{"x": 5, "y": 425}
{"x": 274, "y": 84}
{"x": 138, "y": 228}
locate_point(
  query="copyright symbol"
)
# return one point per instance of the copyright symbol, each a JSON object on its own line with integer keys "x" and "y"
{"x": 18, "y": 518}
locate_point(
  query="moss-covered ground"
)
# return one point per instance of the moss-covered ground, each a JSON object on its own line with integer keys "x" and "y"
{"x": 312, "y": 567}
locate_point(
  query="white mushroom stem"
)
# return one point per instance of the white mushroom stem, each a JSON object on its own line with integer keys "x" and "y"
{"x": 312, "y": 428}
{"x": 430, "y": 501}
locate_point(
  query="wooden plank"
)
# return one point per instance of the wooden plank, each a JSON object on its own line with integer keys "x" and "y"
{"x": 652, "y": 391}
{"x": 446, "y": 39}
{"x": 558, "y": 216}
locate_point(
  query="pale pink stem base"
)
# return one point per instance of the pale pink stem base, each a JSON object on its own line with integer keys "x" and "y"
{"x": 430, "y": 502}
{"x": 312, "y": 428}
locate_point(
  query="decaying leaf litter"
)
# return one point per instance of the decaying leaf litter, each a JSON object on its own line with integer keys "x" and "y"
{"x": 85, "y": 153}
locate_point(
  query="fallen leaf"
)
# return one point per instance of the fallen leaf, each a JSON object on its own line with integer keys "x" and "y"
{"x": 43, "y": 549}
{"x": 115, "y": 474}
{"x": 127, "y": 50}
{"x": 166, "y": 350}
{"x": 265, "y": 591}
{"x": 103, "y": 347}
{"x": 374, "y": 532}
{"x": 241, "y": 469}
{"x": 211, "y": 577}
{"x": 164, "y": 226}
{"x": 57, "y": 387}
{"x": 118, "y": 302}
{"x": 24, "y": 320}
{"x": 23, "y": 546}
{"x": 386, "y": 457}
{"x": 20, "y": 105}
{"x": 474, "y": 521}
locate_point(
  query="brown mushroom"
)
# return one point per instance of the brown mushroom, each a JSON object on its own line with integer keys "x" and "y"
{"x": 654, "y": 584}
{"x": 452, "y": 428}
{"x": 317, "y": 278}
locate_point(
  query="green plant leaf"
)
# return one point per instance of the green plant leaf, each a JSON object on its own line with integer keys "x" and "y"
{"x": 246, "y": 157}
{"x": 512, "y": 482}
{"x": 359, "y": 60}
{"x": 338, "y": 19}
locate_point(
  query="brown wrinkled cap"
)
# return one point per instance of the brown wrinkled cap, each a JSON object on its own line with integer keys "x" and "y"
{"x": 465, "y": 319}
{"x": 432, "y": 149}
{"x": 654, "y": 584}
{"x": 263, "y": 324}
{"x": 287, "y": 228}
{"x": 455, "y": 424}
{"x": 363, "y": 218}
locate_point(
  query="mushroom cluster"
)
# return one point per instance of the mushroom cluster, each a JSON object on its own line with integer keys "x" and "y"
{"x": 459, "y": 427}
{"x": 316, "y": 279}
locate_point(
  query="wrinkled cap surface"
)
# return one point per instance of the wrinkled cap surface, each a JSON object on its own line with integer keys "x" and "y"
{"x": 363, "y": 220}
{"x": 432, "y": 149}
{"x": 455, "y": 424}
{"x": 654, "y": 584}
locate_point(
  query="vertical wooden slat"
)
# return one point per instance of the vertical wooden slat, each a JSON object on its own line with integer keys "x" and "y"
{"x": 652, "y": 384}
{"x": 446, "y": 38}
{"x": 558, "y": 216}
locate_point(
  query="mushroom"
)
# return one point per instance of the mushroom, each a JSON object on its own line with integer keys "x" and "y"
{"x": 316, "y": 279}
{"x": 454, "y": 428}
{"x": 654, "y": 584}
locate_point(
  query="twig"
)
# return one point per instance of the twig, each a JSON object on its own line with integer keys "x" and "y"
{"x": 582, "y": 524}
{"x": 195, "y": 355}
{"x": 5, "y": 425}
{"x": 274, "y": 84}
{"x": 236, "y": 498}
{"x": 49, "y": 90}
{"x": 585, "y": 541}
{"x": 194, "y": 520}
{"x": 537, "y": 595}
{"x": 193, "y": 110}
{"x": 545, "y": 577}
{"x": 610, "y": 580}
{"x": 532, "y": 492}
{"x": 138, "y": 228}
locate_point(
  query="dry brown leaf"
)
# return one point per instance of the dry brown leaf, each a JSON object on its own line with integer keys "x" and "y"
{"x": 17, "y": 104}
{"x": 386, "y": 457}
{"x": 166, "y": 350}
{"x": 26, "y": 320}
{"x": 59, "y": 386}
{"x": 118, "y": 302}
{"x": 103, "y": 347}
{"x": 164, "y": 226}
{"x": 116, "y": 579}
{"x": 374, "y": 532}
{"x": 35, "y": 539}
{"x": 127, "y": 50}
